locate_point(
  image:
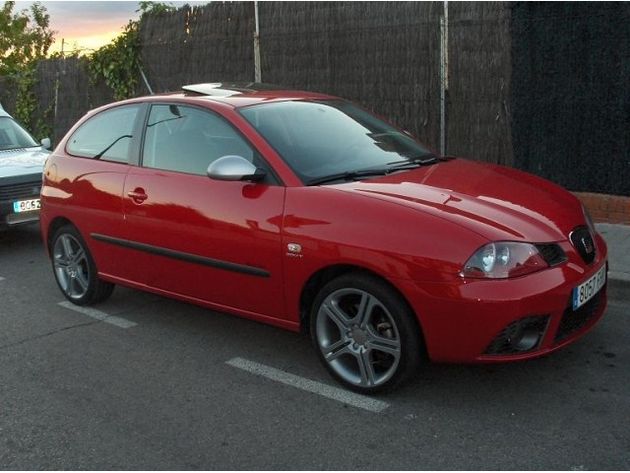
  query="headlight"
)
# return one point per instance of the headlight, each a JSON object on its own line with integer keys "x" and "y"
{"x": 505, "y": 259}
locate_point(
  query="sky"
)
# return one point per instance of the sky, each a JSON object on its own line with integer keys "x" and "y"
{"x": 87, "y": 25}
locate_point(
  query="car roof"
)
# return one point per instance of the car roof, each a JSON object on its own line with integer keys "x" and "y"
{"x": 244, "y": 94}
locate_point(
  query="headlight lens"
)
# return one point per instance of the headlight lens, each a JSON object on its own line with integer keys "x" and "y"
{"x": 504, "y": 259}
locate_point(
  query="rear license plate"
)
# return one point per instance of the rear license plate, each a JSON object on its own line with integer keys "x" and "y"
{"x": 26, "y": 205}
{"x": 587, "y": 290}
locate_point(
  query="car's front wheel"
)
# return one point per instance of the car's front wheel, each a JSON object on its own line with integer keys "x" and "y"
{"x": 75, "y": 270}
{"x": 365, "y": 333}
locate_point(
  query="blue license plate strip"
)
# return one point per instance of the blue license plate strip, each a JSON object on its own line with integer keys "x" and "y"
{"x": 588, "y": 289}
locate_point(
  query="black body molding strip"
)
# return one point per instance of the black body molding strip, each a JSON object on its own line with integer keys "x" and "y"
{"x": 179, "y": 255}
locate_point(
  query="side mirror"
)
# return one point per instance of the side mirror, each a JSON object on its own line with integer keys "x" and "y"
{"x": 234, "y": 168}
{"x": 45, "y": 143}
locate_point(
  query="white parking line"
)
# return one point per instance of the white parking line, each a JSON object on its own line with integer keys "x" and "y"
{"x": 1, "y": 278}
{"x": 98, "y": 315}
{"x": 347, "y": 397}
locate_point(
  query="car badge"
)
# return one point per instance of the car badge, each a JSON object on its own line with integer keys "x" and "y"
{"x": 294, "y": 248}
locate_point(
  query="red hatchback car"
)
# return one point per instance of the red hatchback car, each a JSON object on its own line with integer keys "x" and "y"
{"x": 305, "y": 211}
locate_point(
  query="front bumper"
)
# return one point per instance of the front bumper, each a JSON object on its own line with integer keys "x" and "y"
{"x": 15, "y": 189}
{"x": 464, "y": 321}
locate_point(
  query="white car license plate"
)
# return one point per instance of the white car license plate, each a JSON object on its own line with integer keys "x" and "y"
{"x": 26, "y": 205}
{"x": 587, "y": 290}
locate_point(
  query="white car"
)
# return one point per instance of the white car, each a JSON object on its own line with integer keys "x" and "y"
{"x": 21, "y": 165}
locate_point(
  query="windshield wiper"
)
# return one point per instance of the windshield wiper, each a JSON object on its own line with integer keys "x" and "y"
{"x": 394, "y": 166}
{"x": 348, "y": 176}
{"x": 99, "y": 155}
{"x": 421, "y": 160}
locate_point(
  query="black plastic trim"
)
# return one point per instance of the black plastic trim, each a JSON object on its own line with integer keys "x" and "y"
{"x": 179, "y": 255}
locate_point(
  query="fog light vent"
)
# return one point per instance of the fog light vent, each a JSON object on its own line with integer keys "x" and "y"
{"x": 519, "y": 337}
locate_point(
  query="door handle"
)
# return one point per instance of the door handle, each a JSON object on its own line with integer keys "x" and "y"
{"x": 138, "y": 195}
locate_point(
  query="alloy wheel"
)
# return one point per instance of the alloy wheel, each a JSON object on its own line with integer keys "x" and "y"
{"x": 358, "y": 337}
{"x": 71, "y": 266}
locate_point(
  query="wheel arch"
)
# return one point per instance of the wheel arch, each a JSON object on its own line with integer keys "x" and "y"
{"x": 322, "y": 276}
{"x": 55, "y": 225}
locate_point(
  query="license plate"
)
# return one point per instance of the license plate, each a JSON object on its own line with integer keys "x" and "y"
{"x": 26, "y": 205}
{"x": 587, "y": 290}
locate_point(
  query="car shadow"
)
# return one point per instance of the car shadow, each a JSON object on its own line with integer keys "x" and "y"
{"x": 23, "y": 237}
{"x": 585, "y": 366}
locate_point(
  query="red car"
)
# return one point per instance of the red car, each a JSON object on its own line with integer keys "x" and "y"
{"x": 305, "y": 211}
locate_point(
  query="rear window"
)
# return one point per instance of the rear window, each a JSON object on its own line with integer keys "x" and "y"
{"x": 107, "y": 135}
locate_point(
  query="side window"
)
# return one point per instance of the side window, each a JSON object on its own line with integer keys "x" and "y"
{"x": 186, "y": 139}
{"x": 106, "y": 136}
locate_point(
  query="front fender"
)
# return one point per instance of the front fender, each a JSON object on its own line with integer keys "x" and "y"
{"x": 397, "y": 243}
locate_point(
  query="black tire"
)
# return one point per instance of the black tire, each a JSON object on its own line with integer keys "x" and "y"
{"x": 370, "y": 353}
{"x": 77, "y": 280}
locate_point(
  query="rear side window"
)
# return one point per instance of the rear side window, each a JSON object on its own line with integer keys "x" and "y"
{"x": 106, "y": 136}
{"x": 186, "y": 139}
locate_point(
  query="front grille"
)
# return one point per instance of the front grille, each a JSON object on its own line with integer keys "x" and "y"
{"x": 20, "y": 191}
{"x": 583, "y": 242}
{"x": 572, "y": 321}
{"x": 521, "y": 336}
{"x": 552, "y": 253}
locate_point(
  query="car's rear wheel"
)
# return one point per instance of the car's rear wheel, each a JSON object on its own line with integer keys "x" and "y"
{"x": 75, "y": 270}
{"x": 365, "y": 333}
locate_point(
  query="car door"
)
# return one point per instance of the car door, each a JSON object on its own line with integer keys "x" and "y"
{"x": 213, "y": 241}
{"x": 91, "y": 181}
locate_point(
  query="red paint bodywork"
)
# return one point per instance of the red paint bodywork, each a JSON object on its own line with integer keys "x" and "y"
{"x": 415, "y": 229}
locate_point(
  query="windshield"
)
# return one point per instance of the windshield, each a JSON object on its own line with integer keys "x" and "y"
{"x": 325, "y": 138}
{"x": 13, "y": 136}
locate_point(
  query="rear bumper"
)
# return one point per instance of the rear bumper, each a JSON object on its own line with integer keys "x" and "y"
{"x": 461, "y": 320}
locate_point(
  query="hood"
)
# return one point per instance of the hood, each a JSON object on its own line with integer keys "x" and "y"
{"x": 24, "y": 161}
{"x": 496, "y": 202}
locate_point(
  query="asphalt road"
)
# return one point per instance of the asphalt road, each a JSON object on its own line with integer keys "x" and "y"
{"x": 81, "y": 393}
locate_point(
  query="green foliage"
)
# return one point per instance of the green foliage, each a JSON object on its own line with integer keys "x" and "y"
{"x": 65, "y": 54}
{"x": 118, "y": 63}
{"x": 155, "y": 7}
{"x": 25, "y": 102}
{"x": 26, "y": 110}
{"x": 43, "y": 124}
{"x": 24, "y": 37}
